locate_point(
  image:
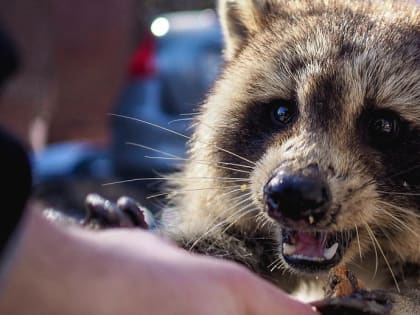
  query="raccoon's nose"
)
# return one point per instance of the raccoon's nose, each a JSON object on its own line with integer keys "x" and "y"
{"x": 297, "y": 197}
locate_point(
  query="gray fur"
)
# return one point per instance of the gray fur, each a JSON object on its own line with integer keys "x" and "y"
{"x": 337, "y": 59}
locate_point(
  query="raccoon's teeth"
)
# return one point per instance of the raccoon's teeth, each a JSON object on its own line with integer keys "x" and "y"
{"x": 309, "y": 258}
{"x": 288, "y": 249}
{"x": 311, "y": 219}
{"x": 330, "y": 252}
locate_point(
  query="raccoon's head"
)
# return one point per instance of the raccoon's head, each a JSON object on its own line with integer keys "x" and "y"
{"x": 320, "y": 104}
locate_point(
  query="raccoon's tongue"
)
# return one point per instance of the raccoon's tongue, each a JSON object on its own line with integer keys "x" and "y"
{"x": 309, "y": 246}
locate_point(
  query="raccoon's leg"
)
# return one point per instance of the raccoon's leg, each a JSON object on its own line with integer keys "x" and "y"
{"x": 358, "y": 303}
{"x": 220, "y": 246}
{"x": 102, "y": 213}
{"x": 373, "y": 303}
{"x": 407, "y": 302}
{"x": 380, "y": 301}
{"x": 256, "y": 252}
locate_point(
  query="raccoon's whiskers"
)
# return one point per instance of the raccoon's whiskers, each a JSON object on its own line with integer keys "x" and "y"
{"x": 170, "y": 156}
{"x": 200, "y": 161}
{"x": 400, "y": 209}
{"x": 184, "y": 136}
{"x": 261, "y": 221}
{"x": 214, "y": 226}
{"x": 279, "y": 264}
{"x": 181, "y": 119}
{"x": 371, "y": 236}
{"x": 347, "y": 233}
{"x": 358, "y": 242}
{"x": 152, "y": 149}
{"x": 190, "y": 114}
{"x": 243, "y": 211}
{"x": 224, "y": 211}
{"x": 275, "y": 264}
{"x": 178, "y": 191}
{"x": 239, "y": 198}
{"x": 194, "y": 119}
{"x": 221, "y": 179}
{"x": 401, "y": 224}
{"x": 398, "y": 193}
{"x": 239, "y": 203}
{"x": 384, "y": 256}
{"x": 275, "y": 261}
{"x": 232, "y": 191}
{"x": 223, "y": 195}
{"x": 390, "y": 241}
{"x": 236, "y": 155}
{"x": 175, "y": 191}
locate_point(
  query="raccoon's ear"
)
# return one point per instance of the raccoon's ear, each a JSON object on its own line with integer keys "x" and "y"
{"x": 241, "y": 19}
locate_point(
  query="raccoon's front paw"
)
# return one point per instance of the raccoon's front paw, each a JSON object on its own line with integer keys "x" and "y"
{"x": 103, "y": 213}
{"x": 358, "y": 303}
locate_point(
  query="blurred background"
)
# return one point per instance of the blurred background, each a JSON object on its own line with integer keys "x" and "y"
{"x": 94, "y": 79}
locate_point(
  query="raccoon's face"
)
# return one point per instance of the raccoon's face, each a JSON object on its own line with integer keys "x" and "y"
{"x": 322, "y": 103}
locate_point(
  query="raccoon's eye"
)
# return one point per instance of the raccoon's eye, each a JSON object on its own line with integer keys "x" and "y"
{"x": 283, "y": 113}
{"x": 384, "y": 127}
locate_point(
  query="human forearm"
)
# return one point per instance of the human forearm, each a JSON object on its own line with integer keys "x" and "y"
{"x": 70, "y": 271}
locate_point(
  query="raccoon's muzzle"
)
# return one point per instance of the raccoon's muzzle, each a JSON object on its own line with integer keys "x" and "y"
{"x": 297, "y": 200}
{"x": 300, "y": 202}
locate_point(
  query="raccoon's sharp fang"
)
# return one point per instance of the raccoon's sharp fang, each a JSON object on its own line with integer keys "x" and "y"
{"x": 288, "y": 249}
{"x": 311, "y": 219}
{"x": 329, "y": 253}
{"x": 309, "y": 246}
{"x": 309, "y": 258}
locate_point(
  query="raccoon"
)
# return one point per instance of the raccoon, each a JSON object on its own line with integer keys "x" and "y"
{"x": 306, "y": 154}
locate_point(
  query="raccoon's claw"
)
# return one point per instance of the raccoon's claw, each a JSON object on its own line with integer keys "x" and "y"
{"x": 102, "y": 213}
{"x": 358, "y": 303}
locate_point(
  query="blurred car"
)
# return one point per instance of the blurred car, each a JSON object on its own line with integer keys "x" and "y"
{"x": 171, "y": 72}
{"x": 71, "y": 160}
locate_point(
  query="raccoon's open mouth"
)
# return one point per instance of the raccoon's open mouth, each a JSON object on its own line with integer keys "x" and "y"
{"x": 314, "y": 251}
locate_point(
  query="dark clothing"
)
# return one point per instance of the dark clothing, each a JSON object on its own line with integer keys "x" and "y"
{"x": 15, "y": 170}
{"x": 15, "y": 185}
{"x": 9, "y": 59}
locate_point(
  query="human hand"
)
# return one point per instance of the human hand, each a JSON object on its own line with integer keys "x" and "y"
{"x": 126, "y": 272}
